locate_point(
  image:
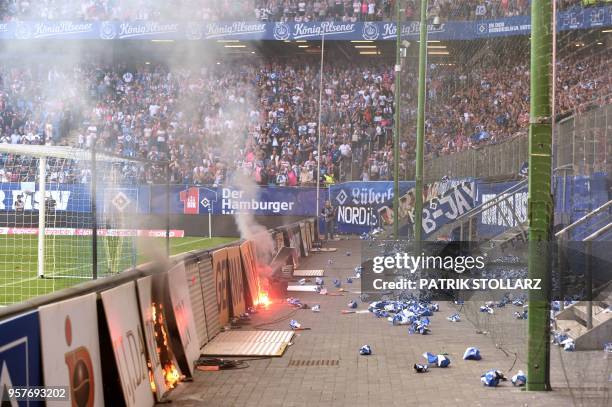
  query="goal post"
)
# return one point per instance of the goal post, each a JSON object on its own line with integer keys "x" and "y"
{"x": 42, "y": 187}
{"x": 49, "y": 213}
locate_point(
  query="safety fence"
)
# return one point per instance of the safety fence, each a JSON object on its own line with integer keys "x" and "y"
{"x": 154, "y": 320}
{"x": 582, "y": 146}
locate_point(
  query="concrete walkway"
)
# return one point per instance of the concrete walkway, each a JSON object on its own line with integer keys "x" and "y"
{"x": 386, "y": 378}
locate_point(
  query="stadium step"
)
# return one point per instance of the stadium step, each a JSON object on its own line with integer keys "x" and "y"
{"x": 599, "y": 316}
{"x": 572, "y": 321}
{"x": 572, "y": 328}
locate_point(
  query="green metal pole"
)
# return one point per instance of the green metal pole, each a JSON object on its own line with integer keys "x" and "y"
{"x": 418, "y": 205}
{"x": 396, "y": 135}
{"x": 540, "y": 198}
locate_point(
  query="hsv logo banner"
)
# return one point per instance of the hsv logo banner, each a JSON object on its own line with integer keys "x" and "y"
{"x": 236, "y": 281}
{"x": 220, "y": 270}
{"x": 181, "y": 304}
{"x": 71, "y": 351}
{"x": 145, "y": 286}
{"x": 126, "y": 335}
{"x": 250, "y": 270}
{"x": 20, "y": 357}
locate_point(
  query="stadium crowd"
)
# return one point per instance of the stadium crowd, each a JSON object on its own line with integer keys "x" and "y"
{"x": 264, "y": 10}
{"x": 211, "y": 121}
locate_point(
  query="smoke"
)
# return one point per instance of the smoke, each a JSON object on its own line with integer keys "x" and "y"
{"x": 248, "y": 226}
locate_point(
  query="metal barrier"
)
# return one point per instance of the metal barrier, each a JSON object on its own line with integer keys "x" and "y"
{"x": 582, "y": 142}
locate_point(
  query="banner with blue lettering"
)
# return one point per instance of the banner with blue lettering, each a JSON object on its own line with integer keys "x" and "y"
{"x": 363, "y": 206}
{"x": 20, "y": 361}
{"x": 358, "y": 203}
{"x": 576, "y": 18}
{"x": 269, "y": 200}
{"x": 184, "y": 199}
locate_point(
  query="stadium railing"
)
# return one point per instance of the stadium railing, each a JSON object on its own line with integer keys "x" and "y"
{"x": 581, "y": 144}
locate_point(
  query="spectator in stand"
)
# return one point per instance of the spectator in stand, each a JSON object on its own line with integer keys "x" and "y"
{"x": 264, "y": 10}
{"x": 263, "y": 120}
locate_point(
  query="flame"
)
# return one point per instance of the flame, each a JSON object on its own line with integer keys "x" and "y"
{"x": 263, "y": 300}
{"x": 171, "y": 375}
{"x": 170, "y": 372}
{"x": 151, "y": 378}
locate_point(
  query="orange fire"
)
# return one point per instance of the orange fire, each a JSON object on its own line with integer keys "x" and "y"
{"x": 170, "y": 371}
{"x": 263, "y": 300}
{"x": 171, "y": 375}
{"x": 151, "y": 378}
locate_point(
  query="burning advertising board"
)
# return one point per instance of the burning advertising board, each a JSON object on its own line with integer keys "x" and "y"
{"x": 71, "y": 351}
{"x": 250, "y": 271}
{"x": 236, "y": 281}
{"x": 181, "y": 305}
{"x": 126, "y": 335}
{"x": 148, "y": 312}
{"x": 220, "y": 269}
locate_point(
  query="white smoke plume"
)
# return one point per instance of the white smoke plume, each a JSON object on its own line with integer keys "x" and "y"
{"x": 249, "y": 228}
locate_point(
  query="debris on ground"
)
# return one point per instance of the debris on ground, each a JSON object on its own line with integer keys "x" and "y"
{"x": 420, "y": 326}
{"x": 420, "y": 368}
{"x": 410, "y": 312}
{"x": 352, "y": 304}
{"x": 519, "y": 379}
{"x": 294, "y": 301}
{"x": 487, "y": 309}
{"x": 365, "y": 350}
{"x": 472, "y": 353}
{"x": 492, "y": 378}
{"x": 439, "y": 360}
{"x": 561, "y": 339}
{"x": 569, "y": 345}
{"x": 316, "y": 308}
{"x": 454, "y": 318}
{"x": 318, "y": 281}
{"x": 520, "y": 315}
{"x": 337, "y": 283}
{"x": 294, "y": 324}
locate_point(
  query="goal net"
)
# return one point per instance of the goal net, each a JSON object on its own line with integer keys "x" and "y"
{"x": 48, "y": 211}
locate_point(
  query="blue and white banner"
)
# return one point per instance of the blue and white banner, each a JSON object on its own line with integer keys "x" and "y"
{"x": 577, "y": 18}
{"x": 362, "y": 206}
{"x": 269, "y": 200}
{"x": 145, "y": 199}
{"x": 358, "y": 203}
{"x": 507, "y": 213}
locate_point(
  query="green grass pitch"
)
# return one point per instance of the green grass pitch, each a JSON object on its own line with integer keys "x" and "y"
{"x": 68, "y": 260}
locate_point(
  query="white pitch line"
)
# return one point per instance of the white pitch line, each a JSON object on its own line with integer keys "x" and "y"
{"x": 50, "y": 275}
{"x": 75, "y": 268}
{"x": 191, "y": 242}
